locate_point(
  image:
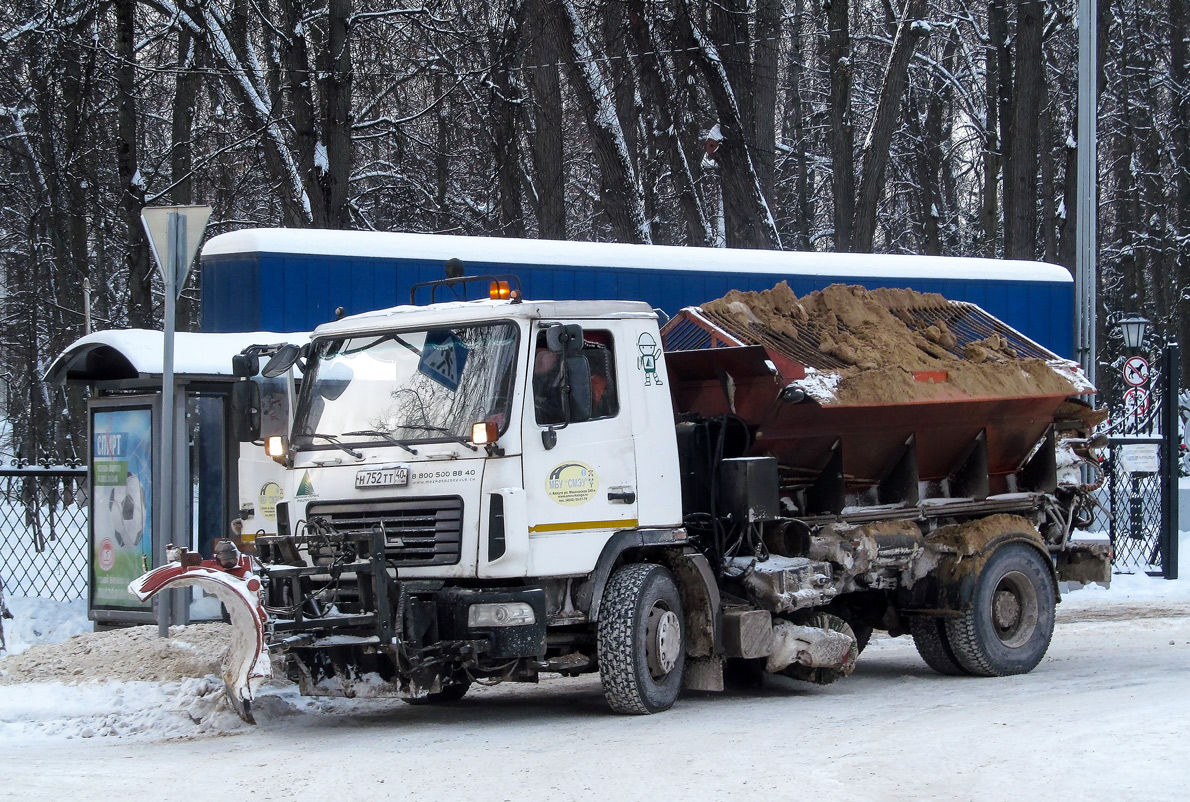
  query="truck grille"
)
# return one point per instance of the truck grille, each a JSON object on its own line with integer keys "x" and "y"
{"x": 419, "y": 531}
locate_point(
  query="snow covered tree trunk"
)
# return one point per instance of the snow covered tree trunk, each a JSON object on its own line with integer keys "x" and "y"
{"x": 181, "y": 154}
{"x": 660, "y": 91}
{"x": 230, "y": 46}
{"x": 505, "y": 99}
{"x": 996, "y": 78}
{"x": 764, "y": 93}
{"x": 300, "y": 80}
{"x": 842, "y": 128}
{"x": 140, "y": 268}
{"x": 744, "y": 92}
{"x": 1067, "y": 227}
{"x": 748, "y": 218}
{"x": 1020, "y": 165}
{"x": 442, "y": 134}
{"x": 547, "y": 123}
{"x": 875, "y": 155}
{"x": 620, "y": 75}
{"x": 926, "y": 126}
{"x": 621, "y": 197}
{"x": 335, "y": 80}
{"x": 798, "y": 202}
{"x": 1047, "y": 174}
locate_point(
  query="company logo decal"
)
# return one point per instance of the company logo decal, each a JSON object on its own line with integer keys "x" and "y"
{"x": 305, "y": 487}
{"x": 572, "y": 483}
{"x": 649, "y": 355}
{"x": 270, "y": 494}
{"x": 107, "y": 554}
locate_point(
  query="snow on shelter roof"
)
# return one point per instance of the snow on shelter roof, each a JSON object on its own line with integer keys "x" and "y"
{"x": 135, "y": 353}
{"x": 511, "y": 252}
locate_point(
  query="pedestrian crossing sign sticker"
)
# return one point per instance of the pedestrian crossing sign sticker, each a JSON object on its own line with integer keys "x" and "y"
{"x": 443, "y": 358}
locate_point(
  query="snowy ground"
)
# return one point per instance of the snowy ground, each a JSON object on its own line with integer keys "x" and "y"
{"x": 1105, "y": 716}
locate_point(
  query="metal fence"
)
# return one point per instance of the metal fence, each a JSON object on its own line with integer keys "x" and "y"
{"x": 43, "y": 531}
{"x": 1143, "y": 468}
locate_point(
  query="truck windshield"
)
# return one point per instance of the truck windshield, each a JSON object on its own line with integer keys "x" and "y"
{"x": 409, "y": 386}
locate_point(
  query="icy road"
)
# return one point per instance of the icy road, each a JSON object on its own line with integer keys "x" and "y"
{"x": 1105, "y": 716}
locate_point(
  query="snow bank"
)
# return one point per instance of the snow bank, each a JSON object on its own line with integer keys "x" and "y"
{"x": 43, "y": 621}
{"x": 130, "y": 710}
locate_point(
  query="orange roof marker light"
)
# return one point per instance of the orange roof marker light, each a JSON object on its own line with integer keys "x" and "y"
{"x": 500, "y": 291}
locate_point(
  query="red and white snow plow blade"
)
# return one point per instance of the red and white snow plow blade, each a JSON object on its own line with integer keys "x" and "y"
{"x": 247, "y": 663}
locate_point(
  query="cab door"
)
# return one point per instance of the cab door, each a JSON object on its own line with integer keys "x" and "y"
{"x": 579, "y": 474}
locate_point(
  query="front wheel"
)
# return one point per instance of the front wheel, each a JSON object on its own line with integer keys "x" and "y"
{"x": 641, "y": 640}
{"x": 1007, "y": 628}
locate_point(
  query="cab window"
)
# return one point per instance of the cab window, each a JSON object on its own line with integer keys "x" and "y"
{"x": 592, "y": 378}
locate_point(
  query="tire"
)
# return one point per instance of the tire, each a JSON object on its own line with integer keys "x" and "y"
{"x": 863, "y": 634}
{"x": 1008, "y": 627}
{"x": 929, "y": 636}
{"x": 641, "y": 640}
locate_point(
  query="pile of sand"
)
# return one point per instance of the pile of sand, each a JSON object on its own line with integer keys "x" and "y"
{"x": 880, "y": 349}
{"x": 135, "y": 653}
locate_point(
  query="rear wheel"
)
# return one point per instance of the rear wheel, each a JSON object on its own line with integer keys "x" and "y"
{"x": 641, "y": 640}
{"x": 1008, "y": 627}
{"x": 929, "y": 636}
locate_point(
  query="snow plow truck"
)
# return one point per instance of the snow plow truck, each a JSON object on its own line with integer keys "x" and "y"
{"x": 495, "y": 489}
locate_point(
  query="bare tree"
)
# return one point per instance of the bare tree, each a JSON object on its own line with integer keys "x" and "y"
{"x": 875, "y": 153}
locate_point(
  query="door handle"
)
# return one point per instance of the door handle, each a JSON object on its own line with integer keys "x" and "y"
{"x": 621, "y": 495}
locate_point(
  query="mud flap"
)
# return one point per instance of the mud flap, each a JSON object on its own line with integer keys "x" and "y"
{"x": 247, "y": 663}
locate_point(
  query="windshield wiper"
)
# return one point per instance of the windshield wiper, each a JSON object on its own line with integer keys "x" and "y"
{"x": 334, "y": 441}
{"x": 383, "y": 436}
{"x": 447, "y": 434}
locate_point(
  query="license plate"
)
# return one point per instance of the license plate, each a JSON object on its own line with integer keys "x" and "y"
{"x": 383, "y": 477}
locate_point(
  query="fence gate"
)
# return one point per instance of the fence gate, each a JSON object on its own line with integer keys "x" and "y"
{"x": 43, "y": 531}
{"x": 1142, "y": 470}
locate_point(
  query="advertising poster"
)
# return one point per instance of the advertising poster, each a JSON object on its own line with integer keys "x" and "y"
{"x": 121, "y": 504}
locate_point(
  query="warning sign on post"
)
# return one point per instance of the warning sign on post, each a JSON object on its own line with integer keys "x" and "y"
{"x": 1136, "y": 371}
{"x": 1137, "y": 402}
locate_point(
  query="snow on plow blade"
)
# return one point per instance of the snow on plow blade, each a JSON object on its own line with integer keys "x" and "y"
{"x": 247, "y": 663}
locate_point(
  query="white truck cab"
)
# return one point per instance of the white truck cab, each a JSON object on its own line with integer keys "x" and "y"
{"x": 385, "y": 435}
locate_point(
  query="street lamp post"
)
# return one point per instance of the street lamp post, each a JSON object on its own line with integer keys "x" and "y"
{"x": 1133, "y": 329}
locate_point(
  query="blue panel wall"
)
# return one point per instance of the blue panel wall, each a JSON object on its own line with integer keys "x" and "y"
{"x": 293, "y": 292}
{"x": 231, "y": 294}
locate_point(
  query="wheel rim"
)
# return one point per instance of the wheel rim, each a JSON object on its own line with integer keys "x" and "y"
{"x": 663, "y": 641}
{"x": 1015, "y": 609}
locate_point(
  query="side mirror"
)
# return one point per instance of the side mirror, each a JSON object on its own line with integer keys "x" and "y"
{"x": 245, "y": 411}
{"x": 568, "y": 338}
{"x": 245, "y": 366}
{"x": 280, "y": 362}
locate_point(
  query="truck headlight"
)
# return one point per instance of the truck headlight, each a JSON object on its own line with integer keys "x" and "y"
{"x": 500, "y": 614}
